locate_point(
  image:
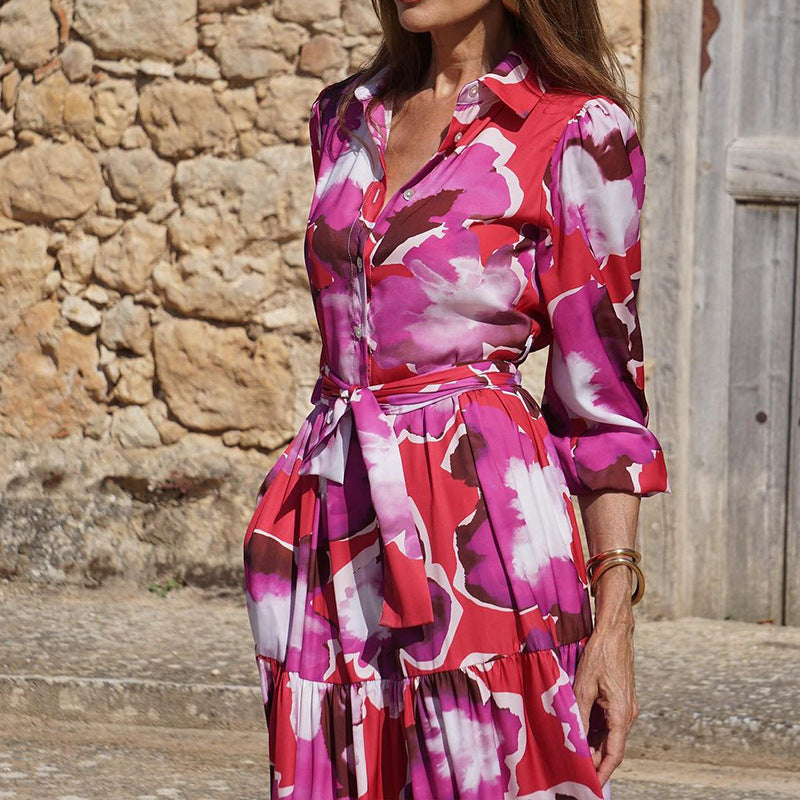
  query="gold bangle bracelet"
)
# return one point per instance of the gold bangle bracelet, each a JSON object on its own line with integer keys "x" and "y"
{"x": 637, "y": 593}
{"x": 627, "y": 552}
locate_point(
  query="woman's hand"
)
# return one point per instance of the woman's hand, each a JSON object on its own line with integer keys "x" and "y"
{"x": 605, "y": 676}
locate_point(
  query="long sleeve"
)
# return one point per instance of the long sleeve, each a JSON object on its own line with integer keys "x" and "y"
{"x": 588, "y": 272}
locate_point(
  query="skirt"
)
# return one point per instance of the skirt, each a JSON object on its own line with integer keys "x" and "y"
{"x": 477, "y": 703}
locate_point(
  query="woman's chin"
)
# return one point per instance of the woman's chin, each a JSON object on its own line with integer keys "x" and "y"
{"x": 418, "y": 16}
{"x": 414, "y": 21}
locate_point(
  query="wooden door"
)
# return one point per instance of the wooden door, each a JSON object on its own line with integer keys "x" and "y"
{"x": 744, "y": 493}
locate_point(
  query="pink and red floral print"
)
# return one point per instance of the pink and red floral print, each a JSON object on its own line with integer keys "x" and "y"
{"x": 413, "y": 567}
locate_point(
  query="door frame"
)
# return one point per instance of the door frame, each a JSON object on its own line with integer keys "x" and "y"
{"x": 684, "y": 537}
{"x": 670, "y": 106}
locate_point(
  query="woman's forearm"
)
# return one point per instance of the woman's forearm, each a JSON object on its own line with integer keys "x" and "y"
{"x": 605, "y": 674}
{"x": 610, "y": 520}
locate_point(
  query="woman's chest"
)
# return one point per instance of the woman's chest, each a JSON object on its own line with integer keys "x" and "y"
{"x": 416, "y": 132}
{"x": 473, "y": 196}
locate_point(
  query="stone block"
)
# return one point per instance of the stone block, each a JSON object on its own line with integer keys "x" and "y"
{"x": 28, "y": 32}
{"x": 131, "y": 427}
{"x": 56, "y": 108}
{"x": 49, "y": 181}
{"x": 126, "y": 326}
{"x": 127, "y": 259}
{"x": 77, "y": 60}
{"x": 215, "y": 379}
{"x": 135, "y": 383}
{"x": 78, "y": 257}
{"x": 287, "y": 105}
{"x": 183, "y": 119}
{"x": 52, "y": 384}
{"x": 224, "y": 204}
{"x": 324, "y": 57}
{"x": 360, "y": 18}
{"x": 138, "y": 28}
{"x": 81, "y": 313}
{"x": 307, "y": 12}
{"x": 138, "y": 176}
{"x": 256, "y": 46}
{"x": 221, "y": 287}
{"x": 115, "y": 106}
{"x": 24, "y": 260}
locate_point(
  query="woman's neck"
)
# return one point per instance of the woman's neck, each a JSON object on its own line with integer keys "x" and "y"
{"x": 463, "y": 52}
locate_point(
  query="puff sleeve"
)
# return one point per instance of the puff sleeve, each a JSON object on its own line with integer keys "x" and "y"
{"x": 588, "y": 272}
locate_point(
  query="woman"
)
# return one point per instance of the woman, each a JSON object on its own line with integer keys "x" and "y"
{"x": 413, "y": 568}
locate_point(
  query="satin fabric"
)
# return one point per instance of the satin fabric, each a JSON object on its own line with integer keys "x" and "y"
{"x": 413, "y": 567}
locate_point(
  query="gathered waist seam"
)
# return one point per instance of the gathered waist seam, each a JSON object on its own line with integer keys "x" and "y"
{"x": 416, "y": 391}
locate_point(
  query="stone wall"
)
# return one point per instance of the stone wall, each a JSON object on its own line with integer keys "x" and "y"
{"x": 157, "y": 340}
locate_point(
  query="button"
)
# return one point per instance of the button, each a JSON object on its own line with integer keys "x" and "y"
{"x": 357, "y": 331}
{"x": 458, "y": 136}
{"x": 473, "y": 90}
{"x": 359, "y": 263}
{"x": 408, "y": 194}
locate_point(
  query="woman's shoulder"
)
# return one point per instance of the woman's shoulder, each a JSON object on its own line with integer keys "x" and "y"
{"x": 595, "y": 122}
{"x": 327, "y": 101}
{"x": 586, "y": 111}
{"x": 596, "y": 172}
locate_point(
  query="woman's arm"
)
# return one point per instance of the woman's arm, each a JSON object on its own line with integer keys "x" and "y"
{"x": 594, "y": 399}
{"x": 605, "y": 671}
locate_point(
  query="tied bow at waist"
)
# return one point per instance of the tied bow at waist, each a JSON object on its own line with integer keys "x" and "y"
{"x": 407, "y": 599}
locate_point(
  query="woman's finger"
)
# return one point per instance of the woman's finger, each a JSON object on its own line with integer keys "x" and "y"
{"x": 598, "y": 731}
{"x": 614, "y": 749}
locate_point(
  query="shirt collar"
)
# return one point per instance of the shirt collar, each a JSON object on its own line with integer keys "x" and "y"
{"x": 513, "y": 80}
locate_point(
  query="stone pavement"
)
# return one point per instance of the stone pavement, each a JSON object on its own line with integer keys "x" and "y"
{"x": 115, "y": 694}
{"x": 96, "y": 761}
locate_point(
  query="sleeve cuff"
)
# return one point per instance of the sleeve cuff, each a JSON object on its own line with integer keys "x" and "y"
{"x": 638, "y": 467}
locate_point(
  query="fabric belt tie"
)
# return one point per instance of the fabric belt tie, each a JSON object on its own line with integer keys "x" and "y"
{"x": 407, "y": 599}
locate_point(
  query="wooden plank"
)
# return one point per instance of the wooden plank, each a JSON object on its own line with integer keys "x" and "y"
{"x": 669, "y": 92}
{"x": 769, "y": 102}
{"x": 792, "y": 559}
{"x": 708, "y": 499}
{"x": 764, "y": 168}
{"x": 749, "y": 96}
{"x": 770, "y": 108}
{"x": 758, "y": 420}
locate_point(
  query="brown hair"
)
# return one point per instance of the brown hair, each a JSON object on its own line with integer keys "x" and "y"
{"x": 565, "y": 39}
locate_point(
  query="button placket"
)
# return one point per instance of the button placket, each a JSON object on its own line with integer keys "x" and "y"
{"x": 361, "y": 288}
{"x": 358, "y": 280}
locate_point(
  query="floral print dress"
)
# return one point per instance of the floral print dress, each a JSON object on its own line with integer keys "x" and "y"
{"x": 413, "y": 567}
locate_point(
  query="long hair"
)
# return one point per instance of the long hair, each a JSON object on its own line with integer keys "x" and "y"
{"x": 564, "y": 39}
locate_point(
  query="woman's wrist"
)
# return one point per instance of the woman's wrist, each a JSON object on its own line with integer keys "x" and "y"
{"x": 613, "y": 610}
